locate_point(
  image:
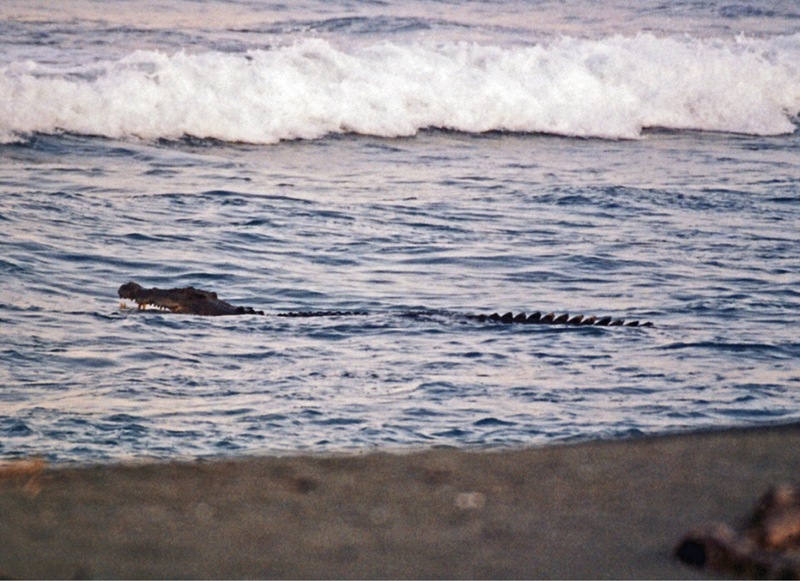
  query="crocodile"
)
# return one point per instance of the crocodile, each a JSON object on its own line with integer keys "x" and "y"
{"x": 193, "y": 301}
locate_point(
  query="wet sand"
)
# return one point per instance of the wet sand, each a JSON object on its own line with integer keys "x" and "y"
{"x": 608, "y": 509}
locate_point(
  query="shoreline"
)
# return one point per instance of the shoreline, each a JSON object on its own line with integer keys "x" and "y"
{"x": 592, "y": 509}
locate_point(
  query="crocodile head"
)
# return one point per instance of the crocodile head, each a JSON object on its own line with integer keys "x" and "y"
{"x": 187, "y": 300}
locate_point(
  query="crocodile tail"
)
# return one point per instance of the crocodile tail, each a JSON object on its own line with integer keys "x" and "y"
{"x": 538, "y": 318}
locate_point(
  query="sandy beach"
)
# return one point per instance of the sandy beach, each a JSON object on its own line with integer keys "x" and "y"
{"x": 606, "y": 509}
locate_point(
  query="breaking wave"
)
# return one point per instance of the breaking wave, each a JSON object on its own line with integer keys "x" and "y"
{"x": 609, "y": 88}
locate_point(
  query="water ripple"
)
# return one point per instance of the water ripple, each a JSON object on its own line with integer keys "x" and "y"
{"x": 417, "y": 232}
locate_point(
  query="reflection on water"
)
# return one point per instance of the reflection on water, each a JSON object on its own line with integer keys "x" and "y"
{"x": 696, "y": 231}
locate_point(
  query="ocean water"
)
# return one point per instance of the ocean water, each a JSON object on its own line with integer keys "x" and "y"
{"x": 633, "y": 159}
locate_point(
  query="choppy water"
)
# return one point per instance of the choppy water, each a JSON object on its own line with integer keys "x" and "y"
{"x": 640, "y": 162}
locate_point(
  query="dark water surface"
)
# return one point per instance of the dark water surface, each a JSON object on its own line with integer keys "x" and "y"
{"x": 694, "y": 226}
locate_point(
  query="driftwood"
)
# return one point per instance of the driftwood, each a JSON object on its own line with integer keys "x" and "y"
{"x": 766, "y": 547}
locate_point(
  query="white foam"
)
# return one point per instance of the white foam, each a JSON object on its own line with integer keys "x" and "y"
{"x": 609, "y": 88}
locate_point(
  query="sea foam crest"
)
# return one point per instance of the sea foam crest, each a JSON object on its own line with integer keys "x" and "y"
{"x": 609, "y": 88}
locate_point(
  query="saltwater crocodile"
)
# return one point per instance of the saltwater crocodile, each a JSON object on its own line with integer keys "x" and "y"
{"x": 192, "y": 301}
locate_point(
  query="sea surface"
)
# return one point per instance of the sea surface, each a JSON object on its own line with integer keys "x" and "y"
{"x": 633, "y": 159}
